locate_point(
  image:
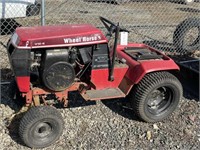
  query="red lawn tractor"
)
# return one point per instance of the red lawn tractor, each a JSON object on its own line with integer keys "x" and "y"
{"x": 50, "y": 61}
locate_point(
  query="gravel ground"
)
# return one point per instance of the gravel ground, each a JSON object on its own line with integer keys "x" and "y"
{"x": 110, "y": 124}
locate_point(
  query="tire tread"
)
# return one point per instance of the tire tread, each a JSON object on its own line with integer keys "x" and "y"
{"x": 141, "y": 90}
{"x": 33, "y": 114}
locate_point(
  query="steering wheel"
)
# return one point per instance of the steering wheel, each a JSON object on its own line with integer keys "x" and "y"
{"x": 110, "y": 26}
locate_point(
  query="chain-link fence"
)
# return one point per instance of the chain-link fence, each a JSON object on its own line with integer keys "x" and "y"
{"x": 153, "y": 22}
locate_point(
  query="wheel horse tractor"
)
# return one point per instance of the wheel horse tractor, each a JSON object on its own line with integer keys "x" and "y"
{"x": 50, "y": 61}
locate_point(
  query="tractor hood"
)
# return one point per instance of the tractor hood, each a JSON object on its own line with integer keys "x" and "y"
{"x": 57, "y": 36}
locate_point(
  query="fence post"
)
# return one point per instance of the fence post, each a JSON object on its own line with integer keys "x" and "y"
{"x": 43, "y": 13}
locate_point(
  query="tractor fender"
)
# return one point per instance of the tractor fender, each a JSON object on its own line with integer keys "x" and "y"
{"x": 136, "y": 73}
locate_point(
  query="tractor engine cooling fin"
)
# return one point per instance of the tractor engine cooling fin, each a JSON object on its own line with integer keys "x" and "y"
{"x": 56, "y": 71}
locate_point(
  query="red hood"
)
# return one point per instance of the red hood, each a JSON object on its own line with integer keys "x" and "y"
{"x": 57, "y": 36}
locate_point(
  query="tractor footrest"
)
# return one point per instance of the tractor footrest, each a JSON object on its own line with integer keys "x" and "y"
{"x": 108, "y": 93}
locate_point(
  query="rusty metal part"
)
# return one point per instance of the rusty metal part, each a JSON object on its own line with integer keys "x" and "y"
{"x": 33, "y": 96}
{"x": 43, "y": 99}
{"x": 108, "y": 93}
{"x": 65, "y": 104}
{"x": 29, "y": 97}
{"x": 83, "y": 88}
{"x": 126, "y": 85}
{"x": 36, "y": 100}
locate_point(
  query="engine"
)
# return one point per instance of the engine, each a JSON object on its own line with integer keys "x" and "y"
{"x": 57, "y": 68}
{"x": 56, "y": 72}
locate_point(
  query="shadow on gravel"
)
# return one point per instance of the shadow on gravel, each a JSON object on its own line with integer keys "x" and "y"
{"x": 13, "y": 128}
{"x": 75, "y": 100}
{"x": 11, "y": 122}
{"x": 6, "y": 74}
{"x": 13, "y": 104}
{"x": 122, "y": 107}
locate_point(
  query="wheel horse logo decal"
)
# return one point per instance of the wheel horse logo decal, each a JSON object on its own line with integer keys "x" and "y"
{"x": 94, "y": 37}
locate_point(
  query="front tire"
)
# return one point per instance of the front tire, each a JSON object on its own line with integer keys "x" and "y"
{"x": 41, "y": 126}
{"x": 156, "y": 96}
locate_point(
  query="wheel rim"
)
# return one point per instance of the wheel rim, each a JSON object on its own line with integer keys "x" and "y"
{"x": 43, "y": 130}
{"x": 159, "y": 100}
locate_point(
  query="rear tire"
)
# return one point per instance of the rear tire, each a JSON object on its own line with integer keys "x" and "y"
{"x": 156, "y": 96}
{"x": 41, "y": 126}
